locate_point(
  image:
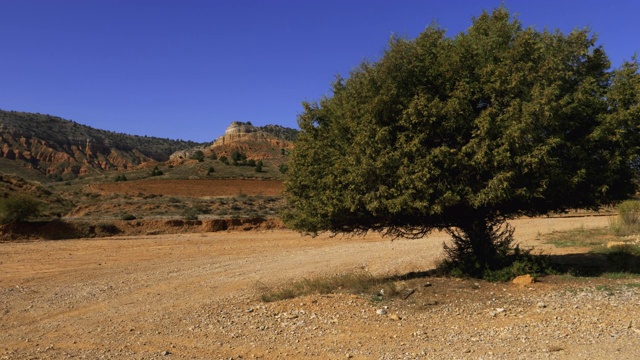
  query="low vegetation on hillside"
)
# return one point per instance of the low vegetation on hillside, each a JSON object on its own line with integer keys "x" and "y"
{"x": 64, "y": 149}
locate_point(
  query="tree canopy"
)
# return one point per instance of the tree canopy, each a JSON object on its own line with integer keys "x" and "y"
{"x": 462, "y": 133}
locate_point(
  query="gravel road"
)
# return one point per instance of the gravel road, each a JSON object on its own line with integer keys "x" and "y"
{"x": 196, "y": 296}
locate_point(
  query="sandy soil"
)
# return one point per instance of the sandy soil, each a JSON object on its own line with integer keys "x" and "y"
{"x": 197, "y": 296}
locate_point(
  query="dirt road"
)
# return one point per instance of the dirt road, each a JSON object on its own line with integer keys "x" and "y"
{"x": 197, "y": 297}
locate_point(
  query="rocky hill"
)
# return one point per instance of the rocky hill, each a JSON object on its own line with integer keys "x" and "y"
{"x": 63, "y": 149}
{"x": 256, "y": 142}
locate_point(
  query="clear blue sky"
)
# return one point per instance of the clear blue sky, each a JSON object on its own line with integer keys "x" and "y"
{"x": 186, "y": 69}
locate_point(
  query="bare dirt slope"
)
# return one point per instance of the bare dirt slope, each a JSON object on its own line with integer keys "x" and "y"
{"x": 196, "y": 296}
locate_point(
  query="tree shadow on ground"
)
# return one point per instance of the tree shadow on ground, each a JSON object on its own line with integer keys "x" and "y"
{"x": 582, "y": 264}
{"x": 595, "y": 264}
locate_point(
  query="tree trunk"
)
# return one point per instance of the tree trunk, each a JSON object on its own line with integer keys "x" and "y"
{"x": 479, "y": 244}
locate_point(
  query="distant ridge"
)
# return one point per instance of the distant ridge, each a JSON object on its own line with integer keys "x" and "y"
{"x": 63, "y": 149}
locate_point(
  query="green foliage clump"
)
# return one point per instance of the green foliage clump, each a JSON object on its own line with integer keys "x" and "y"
{"x": 283, "y": 168}
{"x": 18, "y": 208}
{"x": 197, "y": 155}
{"x": 505, "y": 267}
{"x": 190, "y": 214}
{"x": 210, "y": 171}
{"x": 224, "y": 160}
{"x": 156, "y": 171}
{"x": 120, "y": 177}
{"x": 128, "y": 217}
{"x": 463, "y": 133}
{"x": 238, "y": 157}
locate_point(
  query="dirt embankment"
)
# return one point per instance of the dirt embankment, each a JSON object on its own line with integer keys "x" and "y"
{"x": 57, "y": 230}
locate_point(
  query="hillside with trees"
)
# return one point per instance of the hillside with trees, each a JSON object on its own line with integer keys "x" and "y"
{"x": 63, "y": 149}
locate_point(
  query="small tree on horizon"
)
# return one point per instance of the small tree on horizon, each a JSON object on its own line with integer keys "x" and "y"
{"x": 462, "y": 134}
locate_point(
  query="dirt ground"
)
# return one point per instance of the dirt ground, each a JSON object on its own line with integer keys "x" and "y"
{"x": 197, "y": 296}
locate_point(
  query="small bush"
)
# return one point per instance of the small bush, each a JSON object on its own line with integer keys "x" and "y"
{"x": 517, "y": 262}
{"x": 238, "y": 156}
{"x": 623, "y": 258}
{"x": 283, "y": 168}
{"x": 128, "y": 217}
{"x": 190, "y": 214}
{"x": 223, "y": 159}
{"x": 121, "y": 177}
{"x": 18, "y": 208}
{"x": 156, "y": 172}
{"x": 108, "y": 228}
{"x": 197, "y": 155}
{"x": 210, "y": 171}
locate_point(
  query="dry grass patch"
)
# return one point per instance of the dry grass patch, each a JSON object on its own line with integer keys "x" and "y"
{"x": 353, "y": 283}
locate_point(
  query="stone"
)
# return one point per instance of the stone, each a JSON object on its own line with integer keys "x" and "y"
{"x": 381, "y": 312}
{"x": 612, "y": 244}
{"x": 523, "y": 280}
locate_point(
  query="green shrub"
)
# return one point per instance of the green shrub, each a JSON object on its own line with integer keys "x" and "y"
{"x": 507, "y": 267}
{"x": 156, "y": 171}
{"x": 190, "y": 214}
{"x": 121, "y": 177}
{"x": 197, "y": 155}
{"x": 128, "y": 217}
{"x": 18, "y": 208}
{"x": 224, "y": 160}
{"x": 238, "y": 156}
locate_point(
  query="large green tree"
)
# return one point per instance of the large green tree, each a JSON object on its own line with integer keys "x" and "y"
{"x": 463, "y": 133}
